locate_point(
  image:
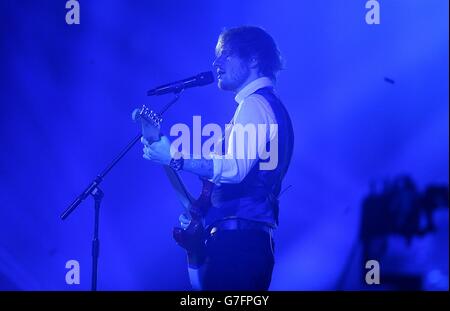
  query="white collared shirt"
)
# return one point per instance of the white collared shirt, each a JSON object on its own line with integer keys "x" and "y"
{"x": 252, "y": 109}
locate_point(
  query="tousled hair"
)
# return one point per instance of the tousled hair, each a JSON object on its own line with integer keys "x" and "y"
{"x": 253, "y": 42}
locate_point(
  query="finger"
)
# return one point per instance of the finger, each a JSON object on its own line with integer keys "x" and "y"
{"x": 184, "y": 223}
{"x": 148, "y": 149}
{"x": 146, "y": 157}
{"x": 147, "y": 153}
{"x": 184, "y": 219}
{"x": 144, "y": 141}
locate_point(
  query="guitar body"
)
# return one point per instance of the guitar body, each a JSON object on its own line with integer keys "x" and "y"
{"x": 192, "y": 238}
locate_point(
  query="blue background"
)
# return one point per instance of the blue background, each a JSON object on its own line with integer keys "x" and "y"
{"x": 67, "y": 92}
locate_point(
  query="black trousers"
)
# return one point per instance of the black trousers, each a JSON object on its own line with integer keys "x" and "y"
{"x": 238, "y": 260}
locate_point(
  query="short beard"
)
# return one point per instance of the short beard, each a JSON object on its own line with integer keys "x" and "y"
{"x": 236, "y": 85}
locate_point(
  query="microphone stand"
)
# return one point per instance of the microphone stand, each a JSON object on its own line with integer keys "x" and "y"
{"x": 94, "y": 190}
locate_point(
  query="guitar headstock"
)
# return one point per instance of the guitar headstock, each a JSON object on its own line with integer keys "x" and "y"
{"x": 150, "y": 123}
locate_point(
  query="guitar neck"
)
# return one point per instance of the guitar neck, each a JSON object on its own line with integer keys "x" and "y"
{"x": 183, "y": 195}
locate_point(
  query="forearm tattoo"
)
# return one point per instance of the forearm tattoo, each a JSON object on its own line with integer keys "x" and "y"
{"x": 200, "y": 167}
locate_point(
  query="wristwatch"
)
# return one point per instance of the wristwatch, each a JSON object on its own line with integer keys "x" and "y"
{"x": 176, "y": 163}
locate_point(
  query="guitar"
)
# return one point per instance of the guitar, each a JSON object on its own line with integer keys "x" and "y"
{"x": 192, "y": 237}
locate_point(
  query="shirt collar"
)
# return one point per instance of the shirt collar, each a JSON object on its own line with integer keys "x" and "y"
{"x": 252, "y": 87}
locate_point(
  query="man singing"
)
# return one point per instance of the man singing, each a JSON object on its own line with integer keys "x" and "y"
{"x": 239, "y": 245}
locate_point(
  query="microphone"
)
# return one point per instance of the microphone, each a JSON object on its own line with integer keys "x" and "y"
{"x": 201, "y": 79}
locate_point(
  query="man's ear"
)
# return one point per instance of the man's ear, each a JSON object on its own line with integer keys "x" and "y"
{"x": 253, "y": 62}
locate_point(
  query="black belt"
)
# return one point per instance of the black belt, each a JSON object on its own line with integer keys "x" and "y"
{"x": 239, "y": 224}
